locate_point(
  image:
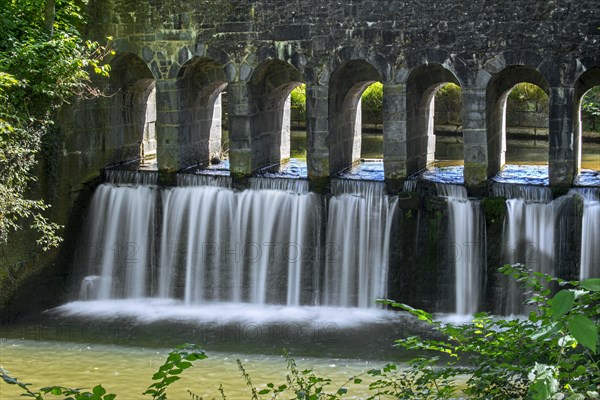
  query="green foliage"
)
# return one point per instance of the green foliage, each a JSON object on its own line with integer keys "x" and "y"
{"x": 298, "y": 101}
{"x": 590, "y": 109}
{"x": 448, "y": 98}
{"x": 39, "y": 72}
{"x": 372, "y": 103}
{"x": 551, "y": 354}
{"x": 304, "y": 384}
{"x": 97, "y": 393}
{"x": 180, "y": 359}
{"x": 527, "y": 97}
{"x": 421, "y": 380}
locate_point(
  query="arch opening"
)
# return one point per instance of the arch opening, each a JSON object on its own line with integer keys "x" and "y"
{"x": 422, "y": 89}
{"x": 271, "y": 87}
{"x": 587, "y": 121}
{"x": 371, "y": 116}
{"x": 347, "y": 85}
{"x": 517, "y": 119}
{"x": 449, "y": 149}
{"x": 203, "y": 139}
{"x": 299, "y": 140}
{"x": 134, "y": 89}
{"x": 526, "y": 136}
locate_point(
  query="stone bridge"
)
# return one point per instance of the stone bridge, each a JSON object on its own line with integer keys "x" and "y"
{"x": 258, "y": 51}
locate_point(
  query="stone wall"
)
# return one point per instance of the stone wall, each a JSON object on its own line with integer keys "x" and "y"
{"x": 258, "y": 50}
{"x": 485, "y": 47}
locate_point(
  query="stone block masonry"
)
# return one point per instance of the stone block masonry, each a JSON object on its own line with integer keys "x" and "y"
{"x": 257, "y": 51}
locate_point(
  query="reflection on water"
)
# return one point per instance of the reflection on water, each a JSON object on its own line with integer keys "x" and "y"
{"x": 127, "y": 371}
{"x": 588, "y": 177}
{"x": 523, "y": 174}
{"x": 366, "y": 170}
{"x": 295, "y": 168}
{"x": 441, "y": 173}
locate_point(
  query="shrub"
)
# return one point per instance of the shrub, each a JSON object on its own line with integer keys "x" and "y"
{"x": 551, "y": 354}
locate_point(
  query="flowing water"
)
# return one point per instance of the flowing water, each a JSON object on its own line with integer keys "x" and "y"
{"x": 466, "y": 239}
{"x": 269, "y": 267}
{"x": 590, "y": 233}
{"x": 264, "y": 245}
{"x": 358, "y": 231}
{"x": 529, "y": 234}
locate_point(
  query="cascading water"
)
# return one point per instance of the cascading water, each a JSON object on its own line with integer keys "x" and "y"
{"x": 529, "y": 234}
{"x": 590, "y": 234}
{"x": 358, "y": 227}
{"x": 203, "y": 180}
{"x": 466, "y": 238}
{"x": 277, "y": 229}
{"x": 119, "y": 256}
{"x": 196, "y": 227}
{"x": 264, "y": 245}
{"x": 123, "y": 177}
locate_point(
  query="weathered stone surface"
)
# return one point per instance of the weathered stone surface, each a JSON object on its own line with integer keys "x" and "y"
{"x": 485, "y": 47}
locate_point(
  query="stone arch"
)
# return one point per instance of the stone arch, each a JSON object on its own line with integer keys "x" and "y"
{"x": 421, "y": 85}
{"x": 201, "y": 83}
{"x": 498, "y": 88}
{"x": 270, "y": 86}
{"x": 346, "y": 54}
{"x": 133, "y": 109}
{"x": 346, "y": 85}
{"x": 585, "y": 81}
{"x": 414, "y": 60}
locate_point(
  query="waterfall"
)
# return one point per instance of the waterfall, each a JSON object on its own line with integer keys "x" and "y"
{"x": 298, "y": 186}
{"x": 277, "y": 232}
{"x": 410, "y": 185}
{"x": 358, "y": 227}
{"x": 203, "y": 180}
{"x": 259, "y": 246}
{"x": 264, "y": 245}
{"x": 466, "y": 240}
{"x": 590, "y": 234}
{"x": 195, "y": 239}
{"x": 123, "y": 177}
{"x": 119, "y": 256}
{"x": 529, "y": 234}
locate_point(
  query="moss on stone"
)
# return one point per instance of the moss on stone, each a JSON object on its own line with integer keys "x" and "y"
{"x": 494, "y": 209}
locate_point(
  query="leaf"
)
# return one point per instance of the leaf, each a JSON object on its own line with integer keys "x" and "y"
{"x": 562, "y": 303}
{"x": 592, "y": 284}
{"x": 342, "y": 391}
{"x": 183, "y": 364}
{"x": 158, "y": 375}
{"x": 99, "y": 391}
{"x": 584, "y": 331}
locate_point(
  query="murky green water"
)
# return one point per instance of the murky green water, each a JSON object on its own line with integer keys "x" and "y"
{"x": 127, "y": 371}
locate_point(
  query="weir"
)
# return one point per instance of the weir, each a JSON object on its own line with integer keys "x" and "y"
{"x": 274, "y": 243}
{"x": 278, "y": 243}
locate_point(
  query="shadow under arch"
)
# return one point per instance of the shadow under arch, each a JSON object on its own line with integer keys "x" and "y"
{"x": 346, "y": 85}
{"x": 133, "y": 109}
{"x": 421, "y": 86}
{"x": 497, "y": 92}
{"x": 270, "y": 86}
{"x": 202, "y": 84}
